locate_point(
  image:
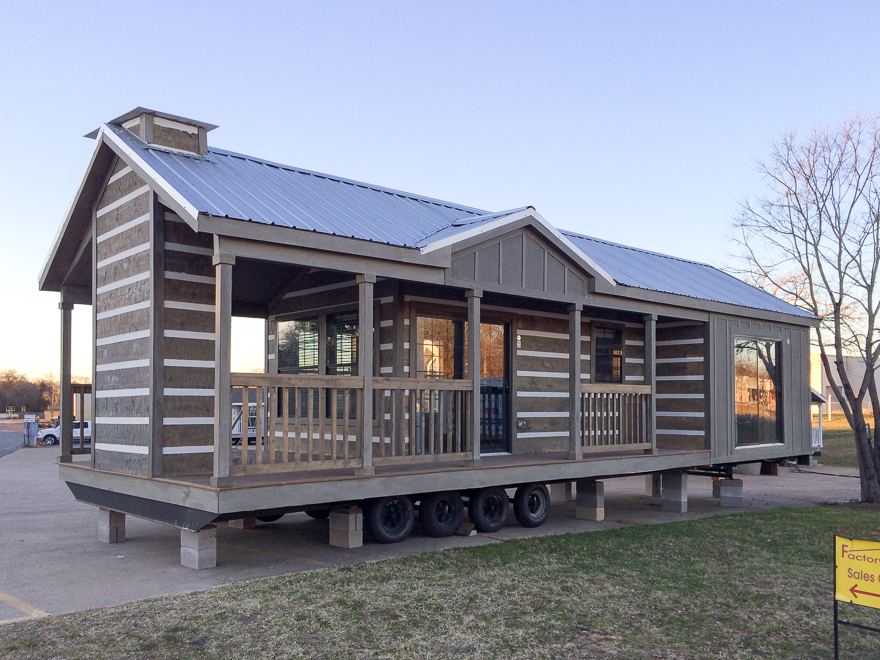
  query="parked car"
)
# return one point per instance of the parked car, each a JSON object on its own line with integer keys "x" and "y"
{"x": 52, "y": 436}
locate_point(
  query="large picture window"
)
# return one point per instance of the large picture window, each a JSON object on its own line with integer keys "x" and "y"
{"x": 756, "y": 391}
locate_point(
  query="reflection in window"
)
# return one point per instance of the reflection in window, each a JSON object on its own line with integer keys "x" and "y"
{"x": 609, "y": 355}
{"x": 441, "y": 348}
{"x": 298, "y": 346}
{"x": 756, "y": 390}
{"x": 342, "y": 344}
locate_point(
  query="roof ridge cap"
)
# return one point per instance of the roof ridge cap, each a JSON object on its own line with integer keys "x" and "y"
{"x": 334, "y": 177}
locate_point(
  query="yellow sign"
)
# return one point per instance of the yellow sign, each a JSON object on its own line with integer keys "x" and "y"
{"x": 857, "y": 571}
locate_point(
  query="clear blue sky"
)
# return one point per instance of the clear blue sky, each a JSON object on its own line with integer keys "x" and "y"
{"x": 639, "y": 122}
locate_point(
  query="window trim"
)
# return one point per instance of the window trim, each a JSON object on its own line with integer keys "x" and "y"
{"x": 780, "y": 342}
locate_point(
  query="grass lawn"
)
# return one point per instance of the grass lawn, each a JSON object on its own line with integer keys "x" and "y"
{"x": 754, "y": 585}
{"x": 839, "y": 445}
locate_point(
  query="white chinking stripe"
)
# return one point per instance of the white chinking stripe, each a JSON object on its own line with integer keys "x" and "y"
{"x": 634, "y": 342}
{"x": 271, "y": 356}
{"x": 106, "y": 134}
{"x": 541, "y": 414}
{"x": 176, "y": 125}
{"x": 121, "y": 173}
{"x": 387, "y": 323}
{"x": 195, "y": 364}
{"x": 542, "y": 333}
{"x": 543, "y": 354}
{"x": 123, "y": 282}
{"x": 543, "y": 374}
{"x": 678, "y": 396}
{"x": 189, "y": 334}
{"x": 318, "y": 289}
{"x": 187, "y": 421}
{"x": 387, "y": 300}
{"x": 128, "y": 364}
{"x": 679, "y": 342}
{"x": 143, "y": 190}
{"x": 121, "y": 449}
{"x": 679, "y": 360}
{"x": 634, "y": 361}
{"x": 638, "y": 379}
{"x": 676, "y": 432}
{"x": 144, "y": 247}
{"x": 543, "y": 434}
{"x": 186, "y": 277}
{"x": 661, "y": 413}
{"x": 678, "y": 378}
{"x": 543, "y": 395}
{"x": 189, "y": 249}
{"x": 120, "y": 394}
{"x": 187, "y": 391}
{"x": 124, "y": 227}
{"x": 122, "y": 310}
{"x": 189, "y": 449}
{"x": 123, "y": 421}
{"x": 188, "y": 306}
{"x": 127, "y": 336}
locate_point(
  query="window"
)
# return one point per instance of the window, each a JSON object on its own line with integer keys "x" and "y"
{"x": 441, "y": 348}
{"x": 756, "y": 391}
{"x": 609, "y": 355}
{"x": 298, "y": 346}
{"x": 342, "y": 344}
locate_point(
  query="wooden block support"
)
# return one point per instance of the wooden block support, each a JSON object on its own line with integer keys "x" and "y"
{"x": 562, "y": 492}
{"x": 199, "y": 549}
{"x": 653, "y": 485}
{"x": 731, "y": 492}
{"x": 590, "y": 500}
{"x": 248, "y": 522}
{"x": 674, "y": 497}
{"x": 347, "y": 527}
{"x": 111, "y": 526}
{"x": 716, "y": 486}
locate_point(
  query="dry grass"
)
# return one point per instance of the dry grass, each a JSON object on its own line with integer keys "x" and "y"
{"x": 742, "y": 586}
{"x": 839, "y": 445}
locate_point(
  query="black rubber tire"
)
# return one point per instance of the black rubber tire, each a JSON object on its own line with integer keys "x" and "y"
{"x": 531, "y": 505}
{"x": 50, "y": 440}
{"x": 272, "y": 518}
{"x": 318, "y": 514}
{"x": 441, "y": 514}
{"x": 488, "y": 509}
{"x": 390, "y": 519}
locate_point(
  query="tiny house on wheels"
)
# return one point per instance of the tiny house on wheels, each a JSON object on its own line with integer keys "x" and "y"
{"x": 423, "y": 358}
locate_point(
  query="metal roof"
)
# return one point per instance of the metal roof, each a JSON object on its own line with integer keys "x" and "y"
{"x": 228, "y": 184}
{"x": 232, "y": 185}
{"x": 659, "y": 272}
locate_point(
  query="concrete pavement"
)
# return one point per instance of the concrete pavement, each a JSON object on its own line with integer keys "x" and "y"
{"x": 51, "y": 561}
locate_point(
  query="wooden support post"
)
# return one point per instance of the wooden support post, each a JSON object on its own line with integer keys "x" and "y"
{"x": 575, "y": 451}
{"x": 366, "y": 283}
{"x": 65, "y": 399}
{"x": 473, "y": 336}
{"x": 222, "y": 366}
{"x": 157, "y": 340}
{"x": 651, "y": 379}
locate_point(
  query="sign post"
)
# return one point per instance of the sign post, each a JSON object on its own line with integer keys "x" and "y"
{"x": 856, "y": 579}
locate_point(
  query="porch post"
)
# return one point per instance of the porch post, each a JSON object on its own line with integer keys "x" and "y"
{"x": 365, "y": 365}
{"x": 65, "y": 396}
{"x": 222, "y": 366}
{"x": 651, "y": 378}
{"x": 575, "y": 452}
{"x": 473, "y": 336}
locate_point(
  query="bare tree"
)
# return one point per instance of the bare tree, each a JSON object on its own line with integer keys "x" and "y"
{"x": 814, "y": 240}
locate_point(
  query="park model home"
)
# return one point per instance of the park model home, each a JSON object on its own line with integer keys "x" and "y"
{"x": 418, "y": 352}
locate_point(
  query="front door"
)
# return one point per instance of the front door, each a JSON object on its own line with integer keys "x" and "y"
{"x": 494, "y": 389}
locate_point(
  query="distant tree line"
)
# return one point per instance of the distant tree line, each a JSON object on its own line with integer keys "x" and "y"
{"x": 37, "y": 394}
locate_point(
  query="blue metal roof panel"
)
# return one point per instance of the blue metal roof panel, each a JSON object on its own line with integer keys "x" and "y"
{"x": 227, "y": 184}
{"x": 659, "y": 272}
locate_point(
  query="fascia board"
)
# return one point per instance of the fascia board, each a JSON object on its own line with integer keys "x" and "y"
{"x": 62, "y": 231}
{"x": 170, "y": 195}
{"x": 529, "y": 213}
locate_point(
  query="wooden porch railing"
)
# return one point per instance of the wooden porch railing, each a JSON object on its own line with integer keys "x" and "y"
{"x": 615, "y": 416}
{"x": 422, "y": 419}
{"x": 303, "y": 422}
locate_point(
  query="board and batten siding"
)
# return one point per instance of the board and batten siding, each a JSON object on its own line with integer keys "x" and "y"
{"x": 681, "y": 377}
{"x": 122, "y": 279}
{"x": 794, "y": 401}
{"x": 188, "y": 363}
